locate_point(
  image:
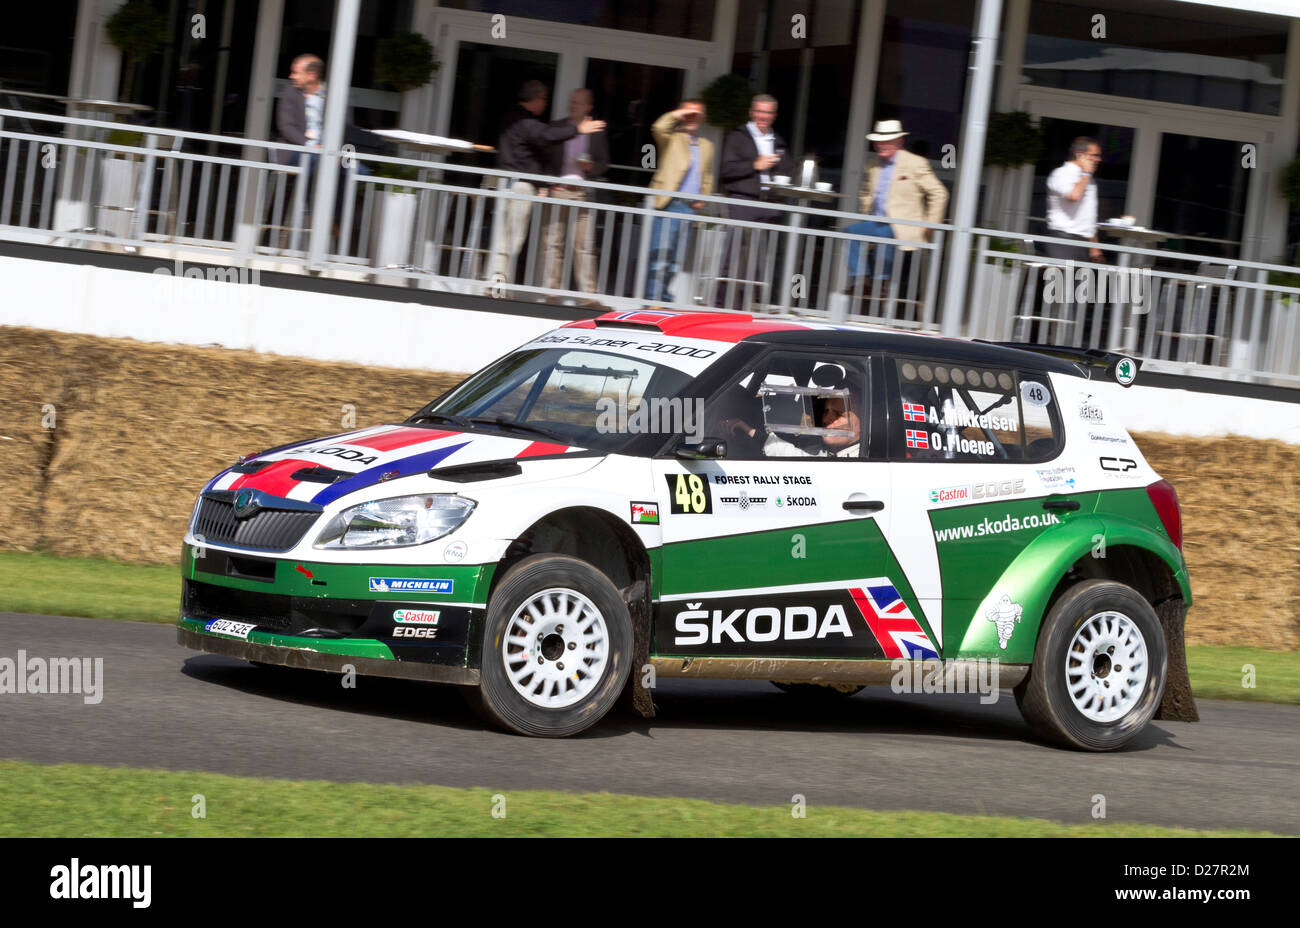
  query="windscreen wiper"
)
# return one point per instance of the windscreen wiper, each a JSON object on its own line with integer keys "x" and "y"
{"x": 459, "y": 421}
{"x": 512, "y": 426}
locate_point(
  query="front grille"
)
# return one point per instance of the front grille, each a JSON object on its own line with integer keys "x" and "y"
{"x": 268, "y": 529}
{"x": 286, "y": 614}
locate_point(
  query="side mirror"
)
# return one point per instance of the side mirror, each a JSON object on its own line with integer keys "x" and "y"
{"x": 707, "y": 450}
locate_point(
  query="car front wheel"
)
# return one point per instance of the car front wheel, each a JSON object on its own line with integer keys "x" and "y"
{"x": 556, "y": 647}
{"x": 1099, "y": 668}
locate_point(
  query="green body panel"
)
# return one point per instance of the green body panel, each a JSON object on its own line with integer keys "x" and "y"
{"x": 974, "y": 568}
{"x": 346, "y": 647}
{"x": 1036, "y": 567}
{"x": 470, "y": 582}
{"x": 847, "y": 550}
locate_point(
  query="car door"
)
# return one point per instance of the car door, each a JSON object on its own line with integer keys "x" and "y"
{"x": 778, "y": 549}
{"x": 970, "y": 443}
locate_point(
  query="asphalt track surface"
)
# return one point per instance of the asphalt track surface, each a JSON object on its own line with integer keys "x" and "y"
{"x": 170, "y": 708}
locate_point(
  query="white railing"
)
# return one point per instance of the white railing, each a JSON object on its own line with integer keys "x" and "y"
{"x": 478, "y": 230}
{"x": 70, "y": 185}
{"x": 1181, "y": 313}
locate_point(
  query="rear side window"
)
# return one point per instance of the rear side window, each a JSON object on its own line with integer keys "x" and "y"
{"x": 971, "y": 414}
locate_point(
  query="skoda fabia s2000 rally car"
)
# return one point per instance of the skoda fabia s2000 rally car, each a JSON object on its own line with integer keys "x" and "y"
{"x": 711, "y": 495}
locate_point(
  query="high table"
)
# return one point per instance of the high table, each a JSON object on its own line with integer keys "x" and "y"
{"x": 802, "y": 195}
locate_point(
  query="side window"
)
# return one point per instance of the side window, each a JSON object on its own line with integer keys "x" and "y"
{"x": 1041, "y": 416}
{"x": 957, "y": 412}
{"x": 789, "y": 405}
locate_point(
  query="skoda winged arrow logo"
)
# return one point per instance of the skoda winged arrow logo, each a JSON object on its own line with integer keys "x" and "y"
{"x": 245, "y": 504}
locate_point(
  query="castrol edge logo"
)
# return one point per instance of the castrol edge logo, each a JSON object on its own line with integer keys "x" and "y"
{"x": 415, "y": 616}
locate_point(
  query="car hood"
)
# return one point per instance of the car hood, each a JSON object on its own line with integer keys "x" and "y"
{"x": 322, "y": 470}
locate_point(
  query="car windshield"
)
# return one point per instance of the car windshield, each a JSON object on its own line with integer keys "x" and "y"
{"x": 578, "y": 397}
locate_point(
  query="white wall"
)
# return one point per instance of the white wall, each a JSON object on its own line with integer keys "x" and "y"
{"x": 391, "y": 333}
{"x": 177, "y": 310}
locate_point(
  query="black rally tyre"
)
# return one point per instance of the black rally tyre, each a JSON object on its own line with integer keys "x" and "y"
{"x": 1099, "y": 668}
{"x": 557, "y": 646}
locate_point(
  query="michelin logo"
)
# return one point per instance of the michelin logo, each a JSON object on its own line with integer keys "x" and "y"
{"x": 408, "y": 585}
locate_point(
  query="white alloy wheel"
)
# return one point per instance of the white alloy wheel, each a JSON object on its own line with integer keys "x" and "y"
{"x": 555, "y": 648}
{"x": 1106, "y": 666}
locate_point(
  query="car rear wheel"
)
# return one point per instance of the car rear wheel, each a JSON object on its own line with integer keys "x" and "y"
{"x": 556, "y": 647}
{"x": 1099, "y": 668}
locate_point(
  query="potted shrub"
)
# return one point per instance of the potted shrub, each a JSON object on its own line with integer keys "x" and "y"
{"x": 726, "y": 101}
{"x": 139, "y": 32}
{"x": 404, "y": 61}
{"x": 1014, "y": 142}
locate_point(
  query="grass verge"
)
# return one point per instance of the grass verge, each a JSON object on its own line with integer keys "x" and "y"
{"x": 78, "y": 800}
{"x": 49, "y": 585}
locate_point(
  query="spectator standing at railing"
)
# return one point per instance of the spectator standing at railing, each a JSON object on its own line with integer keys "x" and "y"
{"x": 300, "y": 108}
{"x": 580, "y": 157}
{"x": 897, "y": 185}
{"x": 751, "y": 154}
{"x": 685, "y": 165}
{"x": 1072, "y": 202}
{"x": 523, "y": 148}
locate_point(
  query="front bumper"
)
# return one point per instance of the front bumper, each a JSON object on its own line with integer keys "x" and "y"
{"x": 367, "y": 657}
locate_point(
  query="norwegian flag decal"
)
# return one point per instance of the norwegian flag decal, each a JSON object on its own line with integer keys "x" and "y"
{"x": 916, "y": 439}
{"x": 650, "y": 316}
{"x": 913, "y": 412}
{"x": 891, "y": 622}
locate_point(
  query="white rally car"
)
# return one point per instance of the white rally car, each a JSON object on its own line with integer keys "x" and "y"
{"x": 710, "y": 495}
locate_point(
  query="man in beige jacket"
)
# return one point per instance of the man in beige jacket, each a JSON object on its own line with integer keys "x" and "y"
{"x": 685, "y": 165}
{"x": 897, "y": 185}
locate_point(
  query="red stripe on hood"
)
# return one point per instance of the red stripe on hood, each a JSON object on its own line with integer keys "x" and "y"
{"x": 275, "y": 478}
{"x": 399, "y": 437}
{"x": 541, "y": 447}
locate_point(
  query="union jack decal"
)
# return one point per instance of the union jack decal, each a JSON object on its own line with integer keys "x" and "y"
{"x": 892, "y": 622}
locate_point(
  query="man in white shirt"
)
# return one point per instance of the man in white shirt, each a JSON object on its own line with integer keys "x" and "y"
{"x": 1072, "y": 202}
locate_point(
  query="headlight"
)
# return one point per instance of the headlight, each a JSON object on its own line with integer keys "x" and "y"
{"x": 397, "y": 522}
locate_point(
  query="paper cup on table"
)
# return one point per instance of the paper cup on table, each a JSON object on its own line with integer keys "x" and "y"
{"x": 824, "y": 186}
{"x": 781, "y": 179}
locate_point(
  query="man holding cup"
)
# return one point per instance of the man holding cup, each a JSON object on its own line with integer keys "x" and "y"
{"x": 751, "y": 156}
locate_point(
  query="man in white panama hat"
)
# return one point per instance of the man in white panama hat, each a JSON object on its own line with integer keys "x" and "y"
{"x": 897, "y": 185}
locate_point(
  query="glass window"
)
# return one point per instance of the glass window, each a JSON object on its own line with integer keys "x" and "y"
{"x": 580, "y": 397}
{"x": 924, "y": 56}
{"x": 682, "y": 19}
{"x": 1201, "y": 194}
{"x": 1041, "y": 417}
{"x": 488, "y": 77}
{"x": 792, "y": 405}
{"x": 630, "y": 96}
{"x": 775, "y": 62}
{"x": 957, "y": 412}
{"x": 1159, "y": 50}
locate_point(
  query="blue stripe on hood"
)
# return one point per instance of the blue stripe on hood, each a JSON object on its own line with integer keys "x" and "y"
{"x": 370, "y": 476}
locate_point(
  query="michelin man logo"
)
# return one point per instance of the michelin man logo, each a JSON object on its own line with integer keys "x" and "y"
{"x": 1006, "y": 614}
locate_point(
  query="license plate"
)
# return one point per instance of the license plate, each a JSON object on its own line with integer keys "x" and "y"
{"x": 227, "y": 627}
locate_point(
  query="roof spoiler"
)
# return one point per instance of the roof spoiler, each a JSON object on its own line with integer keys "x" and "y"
{"x": 1091, "y": 362}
